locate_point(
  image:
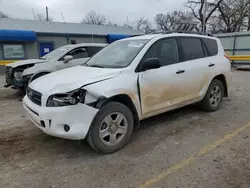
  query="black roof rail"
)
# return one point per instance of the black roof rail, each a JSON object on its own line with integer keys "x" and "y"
{"x": 188, "y": 32}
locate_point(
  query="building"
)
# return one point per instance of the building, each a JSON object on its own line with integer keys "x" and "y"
{"x": 26, "y": 39}
{"x": 237, "y": 43}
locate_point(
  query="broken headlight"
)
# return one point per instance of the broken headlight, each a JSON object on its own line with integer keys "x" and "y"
{"x": 66, "y": 99}
{"x": 18, "y": 75}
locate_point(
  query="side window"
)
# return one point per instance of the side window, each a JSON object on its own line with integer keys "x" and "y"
{"x": 211, "y": 46}
{"x": 165, "y": 50}
{"x": 205, "y": 50}
{"x": 191, "y": 48}
{"x": 92, "y": 50}
{"x": 79, "y": 53}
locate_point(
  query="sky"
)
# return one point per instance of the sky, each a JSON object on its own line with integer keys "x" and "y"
{"x": 74, "y": 10}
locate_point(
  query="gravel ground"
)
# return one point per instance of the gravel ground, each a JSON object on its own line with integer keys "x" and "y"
{"x": 29, "y": 158}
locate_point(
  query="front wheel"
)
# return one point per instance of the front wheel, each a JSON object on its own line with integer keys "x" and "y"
{"x": 112, "y": 128}
{"x": 213, "y": 97}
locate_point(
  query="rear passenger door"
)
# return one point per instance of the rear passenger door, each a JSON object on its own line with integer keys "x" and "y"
{"x": 195, "y": 64}
{"x": 162, "y": 88}
{"x": 213, "y": 60}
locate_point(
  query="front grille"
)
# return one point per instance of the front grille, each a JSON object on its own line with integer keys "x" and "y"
{"x": 8, "y": 74}
{"x": 34, "y": 96}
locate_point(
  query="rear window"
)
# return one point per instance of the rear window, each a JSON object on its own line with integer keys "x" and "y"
{"x": 191, "y": 48}
{"x": 211, "y": 46}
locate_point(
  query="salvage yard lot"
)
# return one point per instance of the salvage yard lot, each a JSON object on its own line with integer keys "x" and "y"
{"x": 162, "y": 152}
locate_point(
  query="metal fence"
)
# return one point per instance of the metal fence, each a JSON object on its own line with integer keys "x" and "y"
{"x": 237, "y": 45}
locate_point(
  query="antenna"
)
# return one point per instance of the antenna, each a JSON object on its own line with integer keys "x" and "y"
{"x": 47, "y": 14}
{"x": 62, "y": 17}
{"x": 33, "y": 14}
{"x": 127, "y": 21}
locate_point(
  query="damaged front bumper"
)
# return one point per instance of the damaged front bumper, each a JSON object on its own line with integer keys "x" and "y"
{"x": 13, "y": 81}
{"x": 69, "y": 122}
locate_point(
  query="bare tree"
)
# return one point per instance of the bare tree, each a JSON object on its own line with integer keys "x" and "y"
{"x": 169, "y": 21}
{"x": 199, "y": 7}
{"x": 143, "y": 25}
{"x": 129, "y": 25}
{"x": 3, "y": 15}
{"x": 233, "y": 13}
{"x": 215, "y": 24}
{"x": 94, "y": 18}
{"x": 41, "y": 17}
{"x": 111, "y": 21}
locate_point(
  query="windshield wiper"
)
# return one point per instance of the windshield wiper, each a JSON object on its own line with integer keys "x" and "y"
{"x": 42, "y": 58}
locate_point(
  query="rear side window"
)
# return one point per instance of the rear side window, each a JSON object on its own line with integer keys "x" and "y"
{"x": 93, "y": 50}
{"x": 79, "y": 53}
{"x": 211, "y": 46}
{"x": 191, "y": 48}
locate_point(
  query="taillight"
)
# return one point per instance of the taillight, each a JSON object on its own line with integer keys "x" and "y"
{"x": 228, "y": 57}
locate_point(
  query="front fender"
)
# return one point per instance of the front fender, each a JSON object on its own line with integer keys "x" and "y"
{"x": 38, "y": 68}
{"x": 113, "y": 87}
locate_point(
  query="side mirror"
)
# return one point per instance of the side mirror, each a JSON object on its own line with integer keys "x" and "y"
{"x": 151, "y": 63}
{"x": 68, "y": 58}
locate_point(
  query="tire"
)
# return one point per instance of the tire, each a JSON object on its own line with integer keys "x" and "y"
{"x": 121, "y": 129}
{"x": 213, "y": 98}
{"x": 25, "y": 85}
{"x": 34, "y": 77}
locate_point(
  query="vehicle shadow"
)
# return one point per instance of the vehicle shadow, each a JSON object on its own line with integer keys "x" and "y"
{"x": 155, "y": 129}
{"x": 10, "y": 94}
{"x": 29, "y": 140}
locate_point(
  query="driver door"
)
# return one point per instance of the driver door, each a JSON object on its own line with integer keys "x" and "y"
{"x": 79, "y": 55}
{"x": 164, "y": 87}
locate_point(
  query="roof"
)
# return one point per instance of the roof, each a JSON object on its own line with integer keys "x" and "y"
{"x": 87, "y": 44}
{"x": 142, "y": 37}
{"x": 93, "y": 44}
{"x": 222, "y": 35}
{"x": 188, "y": 35}
{"x": 151, "y": 36}
{"x": 46, "y": 27}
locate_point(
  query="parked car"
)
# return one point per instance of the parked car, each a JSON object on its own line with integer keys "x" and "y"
{"x": 129, "y": 80}
{"x": 19, "y": 73}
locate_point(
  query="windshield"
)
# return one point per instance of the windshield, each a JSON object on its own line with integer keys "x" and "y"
{"x": 118, "y": 54}
{"x": 57, "y": 52}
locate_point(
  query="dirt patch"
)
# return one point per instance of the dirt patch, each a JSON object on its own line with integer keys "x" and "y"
{"x": 30, "y": 158}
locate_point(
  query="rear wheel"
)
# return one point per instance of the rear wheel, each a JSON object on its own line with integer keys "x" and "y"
{"x": 214, "y": 96}
{"x": 111, "y": 129}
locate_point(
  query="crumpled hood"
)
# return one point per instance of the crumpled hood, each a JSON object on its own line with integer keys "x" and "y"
{"x": 26, "y": 62}
{"x": 72, "y": 78}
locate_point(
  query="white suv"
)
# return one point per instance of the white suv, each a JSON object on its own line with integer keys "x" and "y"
{"x": 129, "y": 80}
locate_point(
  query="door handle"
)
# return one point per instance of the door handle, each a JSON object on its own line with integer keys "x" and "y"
{"x": 211, "y": 65}
{"x": 180, "y": 71}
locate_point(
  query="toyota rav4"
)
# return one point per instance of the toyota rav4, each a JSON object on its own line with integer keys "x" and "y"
{"x": 129, "y": 80}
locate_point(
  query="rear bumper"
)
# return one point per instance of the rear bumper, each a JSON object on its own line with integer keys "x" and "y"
{"x": 52, "y": 120}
